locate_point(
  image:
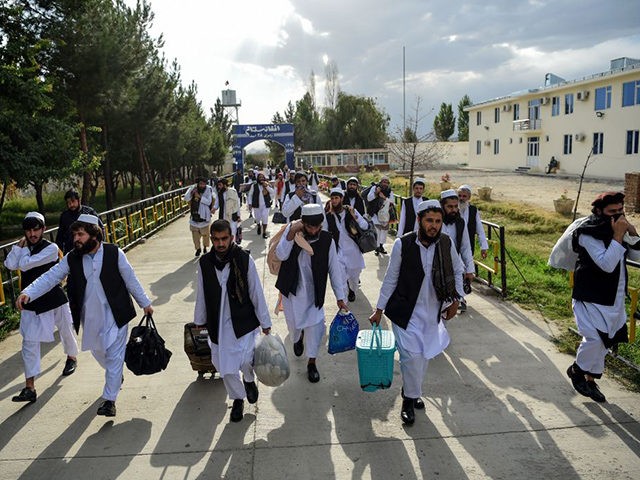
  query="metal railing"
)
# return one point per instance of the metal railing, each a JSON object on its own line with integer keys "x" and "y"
{"x": 125, "y": 226}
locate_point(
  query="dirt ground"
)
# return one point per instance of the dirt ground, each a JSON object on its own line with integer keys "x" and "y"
{"x": 534, "y": 189}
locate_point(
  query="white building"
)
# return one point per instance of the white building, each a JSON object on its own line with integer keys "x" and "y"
{"x": 567, "y": 120}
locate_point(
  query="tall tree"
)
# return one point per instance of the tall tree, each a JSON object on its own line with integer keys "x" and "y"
{"x": 361, "y": 124}
{"x": 332, "y": 85}
{"x": 463, "y": 119}
{"x": 445, "y": 123}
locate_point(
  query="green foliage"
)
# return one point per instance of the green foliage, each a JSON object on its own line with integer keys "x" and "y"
{"x": 11, "y": 317}
{"x": 463, "y": 119}
{"x": 445, "y": 123}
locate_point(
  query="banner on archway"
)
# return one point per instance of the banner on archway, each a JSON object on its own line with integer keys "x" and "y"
{"x": 243, "y": 135}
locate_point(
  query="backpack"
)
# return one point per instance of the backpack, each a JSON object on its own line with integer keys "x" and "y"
{"x": 272, "y": 260}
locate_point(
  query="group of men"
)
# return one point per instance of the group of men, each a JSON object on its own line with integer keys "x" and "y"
{"x": 423, "y": 287}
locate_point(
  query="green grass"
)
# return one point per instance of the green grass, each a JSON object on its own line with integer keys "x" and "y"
{"x": 11, "y": 318}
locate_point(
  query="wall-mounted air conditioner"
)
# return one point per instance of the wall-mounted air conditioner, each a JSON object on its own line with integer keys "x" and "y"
{"x": 582, "y": 95}
{"x": 579, "y": 137}
{"x": 487, "y": 142}
{"x": 544, "y": 100}
{"x": 506, "y": 108}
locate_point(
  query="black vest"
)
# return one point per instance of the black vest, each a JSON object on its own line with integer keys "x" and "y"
{"x": 114, "y": 287}
{"x": 54, "y": 297}
{"x": 358, "y": 204}
{"x": 591, "y": 283}
{"x": 289, "y": 187}
{"x": 409, "y": 213}
{"x": 332, "y": 224}
{"x": 255, "y": 199}
{"x": 403, "y": 299}
{"x": 289, "y": 274}
{"x": 243, "y": 314}
{"x": 298, "y": 211}
{"x": 460, "y": 224}
{"x": 471, "y": 226}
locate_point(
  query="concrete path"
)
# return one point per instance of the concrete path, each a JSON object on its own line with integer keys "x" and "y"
{"x": 498, "y": 404}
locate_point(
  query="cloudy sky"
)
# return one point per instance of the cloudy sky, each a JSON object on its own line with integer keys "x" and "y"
{"x": 485, "y": 49}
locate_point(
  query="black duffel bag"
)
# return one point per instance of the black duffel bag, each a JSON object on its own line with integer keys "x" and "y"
{"x": 145, "y": 353}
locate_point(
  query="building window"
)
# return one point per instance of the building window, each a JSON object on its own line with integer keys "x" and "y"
{"x": 567, "y": 145}
{"x": 568, "y": 104}
{"x": 632, "y": 141}
{"x": 496, "y": 115}
{"x": 603, "y": 98}
{"x": 516, "y": 111}
{"x": 478, "y": 118}
{"x": 598, "y": 143}
{"x": 555, "y": 106}
{"x": 496, "y": 146}
{"x": 631, "y": 93}
{"x": 478, "y": 147}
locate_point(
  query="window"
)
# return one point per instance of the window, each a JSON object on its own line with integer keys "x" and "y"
{"x": 533, "y": 146}
{"x": 631, "y": 93}
{"x": 568, "y": 104}
{"x": 568, "y": 145}
{"x": 496, "y": 115}
{"x": 632, "y": 141}
{"x": 478, "y": 118}
{"x": 516, "y": 111}
{"x": 555, "y": 106}
{"x": 603, "y": 98}
{"x": 496, "y": 146}
{"x": 478, "y": 147}
{"x": 598, "y": 143}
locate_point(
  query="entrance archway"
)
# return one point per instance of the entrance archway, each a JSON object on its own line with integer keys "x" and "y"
{"x": 243, "y": 135}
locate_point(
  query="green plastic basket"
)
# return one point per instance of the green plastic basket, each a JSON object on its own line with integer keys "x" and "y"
{"x": 375, "y": 349}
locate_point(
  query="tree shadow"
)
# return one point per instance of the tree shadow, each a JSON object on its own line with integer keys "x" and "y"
{"x": 623, "y": 425}
{"x": 164, "y": 288}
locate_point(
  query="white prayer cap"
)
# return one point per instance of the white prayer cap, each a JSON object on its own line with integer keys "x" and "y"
{"x": 385, "y": 177}
{"x": 428, "y": 205}
{"x": 353, "y": 179}
{"x": 36, "y": 215}
{"x": 312, "y": 209}
{"x": 448, "y": 194}
{"x": 465, "y": 187}
{"x": 292, "y": 172}
{"x": 87, "y": 218}
{"x": 336, "y": 191}
{"x": 419, "y": 180}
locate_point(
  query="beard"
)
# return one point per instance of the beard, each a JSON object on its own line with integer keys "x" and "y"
{"x": 86, "y": 247}
{"x": 351, "y": 193}
{"x": 450, "y": 218}
{"x": 201, "y": 190}
{"x": 426, "y": 239}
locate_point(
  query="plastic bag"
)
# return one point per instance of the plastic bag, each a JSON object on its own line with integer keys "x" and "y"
{"x": 562, "y": 255}
{"x": 343, "y": 332}
{"x": 270, "y": 360}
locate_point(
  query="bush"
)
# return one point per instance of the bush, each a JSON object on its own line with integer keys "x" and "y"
{"x": 11, "y": 319}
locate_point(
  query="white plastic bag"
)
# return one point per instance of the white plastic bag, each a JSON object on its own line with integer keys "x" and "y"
{"x": 270, "y": 360}
{"x": 562, "y": 255}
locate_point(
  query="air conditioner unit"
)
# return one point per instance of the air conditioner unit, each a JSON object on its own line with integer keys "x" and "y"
{"x": 582, "y": 95}
{"x": 579, "y": 137}
{"x": 544, "y": 100}
{"x": 506, "y": 108}
{"x": 487, "y": 142}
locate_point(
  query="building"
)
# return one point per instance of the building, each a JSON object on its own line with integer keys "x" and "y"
{"x": 343, "y": 160}
{"x": 566, "y": 120}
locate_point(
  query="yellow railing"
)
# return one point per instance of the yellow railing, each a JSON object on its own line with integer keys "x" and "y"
{"x": 150, "y": 211}
{"x": 135, "y": 224}
{"x": 494, "y": 246}
{"x": 159, "y": 210}
{"x": 120, "y": 230}
{"x": 633, "y": 292}
{"x": 2, "y": 298}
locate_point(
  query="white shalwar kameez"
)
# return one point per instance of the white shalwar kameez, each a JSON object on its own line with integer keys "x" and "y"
{"x": 100, "y": 334}
{"x": 465, "y": 246}
{"x": 261, "y": 213}
{"x": 37, "y": 328}
{"x": 349, "y": 253}
{"x": 233, "y": 355}
{"x": 228, "y": 196}
{"x": 482, "y": 237}
{"x": 591, "y": 317}
{"x": 426, "y": 335}
{"x": 291, "y": 204}
{"x": 381, "y": 230}
{"x": 300, "y": 311}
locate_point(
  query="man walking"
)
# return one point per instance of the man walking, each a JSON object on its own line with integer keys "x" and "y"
{"x": 377, "y": 198}
{"x": 302, "y": 281}
{"x": 422, "y": 286}
{"x": 471, "y": 215}
{"x": 33, "y": 255}
{"x": 407, "y": 223}
{"x": 230, "y": 301}
{"x": 201, "y": 201}
{"x": 456, "y": 229}
{"x": 260, "y": 197}
{"x": 100, "y": 300}
{"x": 339, "y": 222}
{"x": 352, "y": 197}
{"x": 227, "y": 205}
{"x": 64, "y": 237}
{"x": 599, "y": 288}
{"x": 292, "y": 208}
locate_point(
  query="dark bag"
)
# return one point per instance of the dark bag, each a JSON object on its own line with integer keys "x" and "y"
{"x": 239, "y": 235}
{"x": 145, "y": 353}
{"x": 367, "y": 240}
{"x": 278, "y": 217}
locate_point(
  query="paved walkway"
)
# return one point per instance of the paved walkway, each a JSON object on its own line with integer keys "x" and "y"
{"x": 498, "y": 404}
